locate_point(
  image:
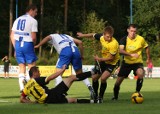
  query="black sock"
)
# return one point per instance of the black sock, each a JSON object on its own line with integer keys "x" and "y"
{"x": 95, "y": 85}
{"x": 102, "y": 89}
{"x": 83, "y": 101}
{"x": 83, "y": 76}
{"x": 116, "y": 91}
{"x": 139, "y": 85}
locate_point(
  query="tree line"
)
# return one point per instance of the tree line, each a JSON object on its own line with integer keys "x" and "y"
{"x": 70, "y": 16}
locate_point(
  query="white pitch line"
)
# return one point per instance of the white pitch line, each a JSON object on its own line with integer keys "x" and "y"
{"x": 4, "y": 101}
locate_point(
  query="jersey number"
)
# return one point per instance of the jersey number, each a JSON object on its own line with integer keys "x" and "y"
{"x": 21, "y": 24}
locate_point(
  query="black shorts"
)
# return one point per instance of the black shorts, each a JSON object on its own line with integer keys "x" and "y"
{"x": 6, "y": 68}
{"x": 125, "y": 69}
{"x": 107, "y": 67}
{"x": 56, "y": 95}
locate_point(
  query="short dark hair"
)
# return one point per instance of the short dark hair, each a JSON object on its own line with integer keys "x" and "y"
{"x": 31, "y": 7}
{"x": 32, "y": 70}
{"x": 109, "y": 29}
{"x": 132, "y": 25}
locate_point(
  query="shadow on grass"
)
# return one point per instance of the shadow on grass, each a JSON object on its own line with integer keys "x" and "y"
{"x": 8, "y": 97}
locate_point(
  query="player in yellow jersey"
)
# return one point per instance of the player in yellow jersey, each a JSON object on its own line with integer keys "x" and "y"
{"x": 131, "y": 47}
{"x": 37, "y": 89}
{"x": 107, "y": 61}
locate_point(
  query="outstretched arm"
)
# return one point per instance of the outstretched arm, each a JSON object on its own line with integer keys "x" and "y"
{"x": 24, "y": 99}
{"x": 53, "y": 76}
{"x": 46, "y": 39}
{"x": 89, "y": 35}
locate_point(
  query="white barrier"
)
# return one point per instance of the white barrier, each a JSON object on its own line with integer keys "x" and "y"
{"x": 13, "y": 70}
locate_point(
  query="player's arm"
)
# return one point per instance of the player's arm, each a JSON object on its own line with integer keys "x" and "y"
{"x": 12, "y": 38}
{"x": 46, "y": 39}
{"x": 3, "y": 58}
{"x": 148, "y": 54}
{"x": 53, "y": 76}
{"x": 122, "y": 51}
{"x": 109, "y": 58}
{"x": 34, "y": 37}
{"x": 24, "y": 99}
{"x": 89, "y": 35}
{"x": 80, "y": 45}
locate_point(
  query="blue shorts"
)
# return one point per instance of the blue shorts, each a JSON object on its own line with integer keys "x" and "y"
{"x": 67, "y": 56}
{"x": 25, "y": 54}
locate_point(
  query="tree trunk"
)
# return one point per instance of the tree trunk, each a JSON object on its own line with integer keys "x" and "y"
{"x": 65, "y": 14}
{"x": 30, "y": 1}
{"x": 10, "y": 26}
{"x": 41, "y": 28}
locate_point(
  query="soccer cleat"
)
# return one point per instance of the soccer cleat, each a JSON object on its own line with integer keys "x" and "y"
{"x": 92, "y": 93}
{"x": 114, "y": 98}
{"x": 99, "y": 100}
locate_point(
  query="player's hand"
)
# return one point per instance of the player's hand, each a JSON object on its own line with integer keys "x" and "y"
{"x": 135, "y": 55}
{"x": 36, "y": 46}
{"x": 96, "y": 57}
{"x": 82, "y": 57}
{"x": 79, "y": 34}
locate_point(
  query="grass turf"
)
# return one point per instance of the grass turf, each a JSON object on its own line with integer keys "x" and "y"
{"x": 9, "y": 99}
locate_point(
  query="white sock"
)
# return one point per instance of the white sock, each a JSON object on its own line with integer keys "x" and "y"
{"x": 58, "y": 80}
{"x": 21, "y": 78}
{"x": 27, "y": 76}
{"x": 87, "y": 82}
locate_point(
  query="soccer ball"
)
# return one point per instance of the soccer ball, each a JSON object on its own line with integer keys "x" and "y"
{"x": 137, "y": 98}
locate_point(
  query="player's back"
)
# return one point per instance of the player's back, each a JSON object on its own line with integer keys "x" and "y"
{"x": 23, "y": 26}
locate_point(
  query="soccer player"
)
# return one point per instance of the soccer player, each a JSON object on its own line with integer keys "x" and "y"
{"x": 68, "y": 53}
{"x": 131, "y": 47}
{"x": 108, "y": 60}
{"x": 23, "y": 37}
{"x": 37, "y": 89}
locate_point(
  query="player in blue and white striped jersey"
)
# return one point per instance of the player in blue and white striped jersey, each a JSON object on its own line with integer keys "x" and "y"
{"x": 23, "y": 37}
{"x": 68, "y": 52}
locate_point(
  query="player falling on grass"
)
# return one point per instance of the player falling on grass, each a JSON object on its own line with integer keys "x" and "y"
{"x": 108, "y": 60}
{"x": 68, "y": 53}
{"x": 131, "y": 47}
{"x": 23, "y": 37}
{"x": 37, "y": 89}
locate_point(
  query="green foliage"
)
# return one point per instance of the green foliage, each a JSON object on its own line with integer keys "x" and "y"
{"x": 147, "y": 16}
{"x": 92, "y": 24}
{"x": 47, "y": 58}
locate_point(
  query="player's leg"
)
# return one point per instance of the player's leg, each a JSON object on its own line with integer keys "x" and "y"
{"x": 103, "y": 85}
{"x": 21, "y": 75}
{"x": 107, "y": 69}
{"x": 29, "y": 57}
{"x": 64, "y": 59}
{"x": 125, "y": 69}
{"x": 140, "y": 73}
{"x": 27, "y": 71}
{"x": 117, "y": 87}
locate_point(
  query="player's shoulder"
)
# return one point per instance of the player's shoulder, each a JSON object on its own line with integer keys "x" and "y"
{"x": 139, "y": 37}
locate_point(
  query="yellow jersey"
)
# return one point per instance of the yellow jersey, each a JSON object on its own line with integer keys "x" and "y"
{"x": 36, "y": 88}
{"x": 135, "y": 45}
{"x": 108, "y": 48}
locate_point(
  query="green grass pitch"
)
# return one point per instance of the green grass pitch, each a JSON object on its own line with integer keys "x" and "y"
{"x": 9, "y": 99}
